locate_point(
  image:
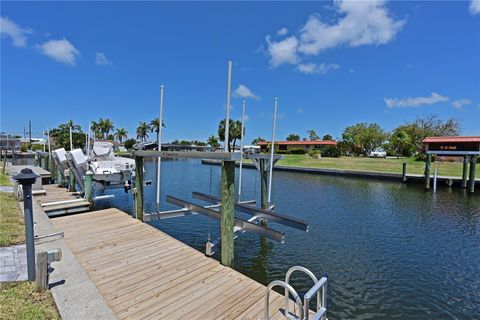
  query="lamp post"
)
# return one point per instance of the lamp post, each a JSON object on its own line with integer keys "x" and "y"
{"x": 26, "y": 178}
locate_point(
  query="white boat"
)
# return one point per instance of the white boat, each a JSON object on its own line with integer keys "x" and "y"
{"x": 108, "y": 170}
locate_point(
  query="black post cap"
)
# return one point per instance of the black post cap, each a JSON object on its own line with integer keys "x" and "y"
{"x": 26, "y": 176}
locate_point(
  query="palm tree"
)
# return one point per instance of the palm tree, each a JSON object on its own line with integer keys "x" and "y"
{"x": 75, "y": 127}
{"x": 105, "y": 126}
{"x": 142, "y": 131}
{"x": 312, "y": 134}
{"x": 154, "y": 126}
{"x": 234, "y": 132}
{"x": 121, "y": 134}
{"x": 213, "y": 141}
{"x": 95, "y": 127}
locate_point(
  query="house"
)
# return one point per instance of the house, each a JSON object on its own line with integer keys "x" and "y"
{"x": 307, "y": 145}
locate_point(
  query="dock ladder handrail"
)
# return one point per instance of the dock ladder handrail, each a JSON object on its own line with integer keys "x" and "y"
{"x": 321, "y": 284}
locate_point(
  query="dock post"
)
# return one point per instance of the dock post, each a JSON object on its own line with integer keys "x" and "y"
{"x": 263, "y": 183}
{"x": 139, "y": 188}
{"x": 465, "y": 172}
{"x": 60, "y": 181}
{"x": 71, "y": 177}
{"x": 471, "y": 184}
{"x": 227, "y": 223}
{"x": 89, "y": 187}
{"x": 26, "y": 178}
{"x": 404, "y": 172}
{"x": 427, "y": 171}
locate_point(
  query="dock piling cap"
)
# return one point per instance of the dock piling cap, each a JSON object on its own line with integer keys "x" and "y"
{"x": 26, "y": 177}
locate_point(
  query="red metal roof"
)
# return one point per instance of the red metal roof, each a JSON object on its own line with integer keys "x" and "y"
{"x": 451, "y": 139}
{"x": 316, "y": 142}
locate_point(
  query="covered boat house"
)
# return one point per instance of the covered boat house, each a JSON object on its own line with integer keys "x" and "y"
{"x": 455, "y": 146}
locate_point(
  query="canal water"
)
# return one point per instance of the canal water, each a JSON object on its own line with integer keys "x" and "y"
{"x": 390, "y": 251}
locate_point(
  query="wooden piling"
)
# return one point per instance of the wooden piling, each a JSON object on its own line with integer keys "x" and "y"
{"x": 139, "y": 188}
{"x": 71, "y": 177}
{"x": 227, "y": 223}
{"x": 463, "y": 184}
{"x": 427, "y": 171}
{"x": 41, "y": 277}
{"x": 263, "y": 183}
{"x": 89, "y": 187}
{"x": 404, "y": 172}
{"x": 471, "y": 184}
{"x": 60, "y": 181}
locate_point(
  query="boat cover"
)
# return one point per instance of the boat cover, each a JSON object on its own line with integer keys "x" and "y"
{"x": 102, "y": 150}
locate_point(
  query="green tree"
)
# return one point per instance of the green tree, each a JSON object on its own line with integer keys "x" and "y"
{"x": 293, "y": 137}
{"x": 129, "y": 143}
{"x": 234, "y": 132}
{"x": 97, "y": 132}
{"x": 327, "y": 137}
{"x": 212, "y": 141}
{"x": 257, "y": 140}
{"x": 105, "y": 126}
{"x": 401, "y": 143}
{"x": 142, "y": 131}
{"x": 312, "y": 134}
{"x": 61, "y": 136}
{"x": 362, "y": 138}
{"x": 121, "y": 134}
{"x": 154, "y": 126}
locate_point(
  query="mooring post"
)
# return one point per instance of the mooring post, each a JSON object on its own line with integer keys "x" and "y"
{"x": 139, "y": 188}
{"x": 60, "y": 181}
{"x": 89, "y": 187}
{"x": 41, "y": 281}
{"x": 465, "y": 172}
{"x": 71, "y": 177}
{"x": 404, "y": 172}
{"x": 263, "y": 184}
{"x": 227, "y": 224}
{"x": 427, "y": 171}
{"x": 471, "y": 184}
{"x": 26, "y": 178}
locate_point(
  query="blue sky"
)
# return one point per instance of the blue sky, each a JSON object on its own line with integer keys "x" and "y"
{"x": 331, "y": 64}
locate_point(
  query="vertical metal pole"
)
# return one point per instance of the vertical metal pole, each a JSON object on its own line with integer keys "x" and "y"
{"x": 241, "y": 153}
{"x": 435, "y": 181}
{"x": 159, "y": 142}
{"x": 139, "y": 188}
{"x": 89, "y": 187}
{"x": 71, "y": 141}
{"x": 471, "y": 185}
{"x": 227, "y": 223}
{"x": 71, "y": 185}
{"x": 30, "y": 130}
{"x": 427, "y": 171}
{"x": 88, "y": 140}
{"x": 271, "y": 152}
{"x": 227, "y": 119}
{"x": 404, "y": 172}
{"x": 465, "y": 172}
{"x": 49, "y": 150}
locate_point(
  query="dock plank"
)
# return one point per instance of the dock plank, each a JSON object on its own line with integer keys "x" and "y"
{"x": 143, "y": 273}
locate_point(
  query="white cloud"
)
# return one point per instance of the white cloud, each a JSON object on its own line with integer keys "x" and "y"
{"x": 281, "y": 52}
{"x": 415, "y": 101}
{"x": 244, "y": 92}
{"x": 300, "y": 110}
{"x": 474, "y": 6}
{"x": 282, "y": 31}
{"x": 322, "y": 68}
{"x": 8, "y": 28}
{"x": 61, "y": 50}
{"x": 102, "y": 60}
{"x": 359, "y": 23}
{"x": 458, "y": 104}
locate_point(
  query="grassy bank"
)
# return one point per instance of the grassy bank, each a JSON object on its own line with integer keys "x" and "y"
{"x": 11, "y": 221}
{"x": 391, "y": 165}
{"x": 4, "y": 179}
{"x": 19, "y": 300}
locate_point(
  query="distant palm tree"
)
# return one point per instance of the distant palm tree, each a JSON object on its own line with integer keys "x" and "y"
{"x": 97, "y": 132}
{"x": 142, "y": 131}
{"x": 154, "y": 126}
{"x": 121, "y": 134}
{"x": 213, "y": 141}
{"x": 105, "y": 127}
{"x": 234, "y": 132}
{"x": 75, "y": 127}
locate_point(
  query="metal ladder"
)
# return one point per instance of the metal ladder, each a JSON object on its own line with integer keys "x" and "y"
{"x": 304, "y": 309}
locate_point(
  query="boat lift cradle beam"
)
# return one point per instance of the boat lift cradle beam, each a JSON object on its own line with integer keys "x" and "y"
{"x": 190, "y": 208}
{"x": 269, "y": 215}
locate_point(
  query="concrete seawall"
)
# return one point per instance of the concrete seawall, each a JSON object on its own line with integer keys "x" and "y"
{"x": 411, "y": 178}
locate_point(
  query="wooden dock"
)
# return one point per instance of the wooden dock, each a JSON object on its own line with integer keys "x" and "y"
{"x": 72, "y": 202}
{"x": 143, "y": 273}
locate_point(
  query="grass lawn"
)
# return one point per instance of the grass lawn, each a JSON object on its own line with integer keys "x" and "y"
{"x": 12, "y": 230}
{"x": 391, "y": 165}
{"x": 4, "y": 179}
{"x": 19, "y": 300}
